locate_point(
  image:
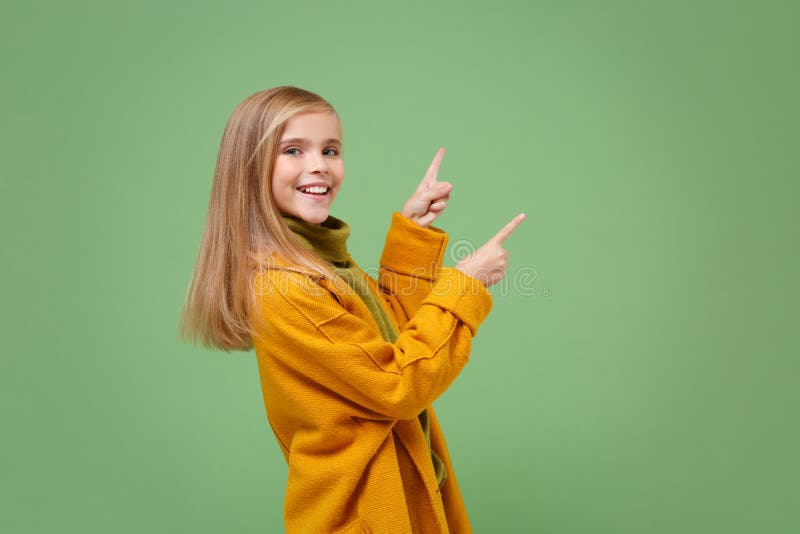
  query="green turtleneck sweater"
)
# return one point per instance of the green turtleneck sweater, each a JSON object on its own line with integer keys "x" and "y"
{"x": 329, "y": 241}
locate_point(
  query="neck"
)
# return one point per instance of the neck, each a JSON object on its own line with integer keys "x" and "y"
{"x": 328, "y": 239}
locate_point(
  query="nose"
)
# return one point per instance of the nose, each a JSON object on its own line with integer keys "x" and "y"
{"x": 317, "y": 164}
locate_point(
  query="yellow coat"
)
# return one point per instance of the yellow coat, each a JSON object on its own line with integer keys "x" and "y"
{"x": 343, "y": 402}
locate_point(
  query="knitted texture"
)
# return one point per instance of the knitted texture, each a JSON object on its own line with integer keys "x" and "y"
{"x": 329, "y": 240}
{"x": 343, "y": 402}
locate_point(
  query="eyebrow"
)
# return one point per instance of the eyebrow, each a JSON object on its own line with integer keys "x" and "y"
{"x": 301, "y": 141}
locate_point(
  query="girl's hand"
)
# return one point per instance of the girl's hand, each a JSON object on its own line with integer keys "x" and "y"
{"x": 489, "y": 263}
{"x": 431, "y": 196}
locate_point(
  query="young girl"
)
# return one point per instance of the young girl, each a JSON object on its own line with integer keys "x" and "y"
{"x": 349, "y": 365}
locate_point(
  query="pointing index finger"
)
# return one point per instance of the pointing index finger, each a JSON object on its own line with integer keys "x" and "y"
{"x": 429, "y": 180}
{"x": 508, "y": 229}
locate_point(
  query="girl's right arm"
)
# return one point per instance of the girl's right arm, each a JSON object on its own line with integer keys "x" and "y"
{"x": 308, "y": 330}
{"x": 412, "y": 258}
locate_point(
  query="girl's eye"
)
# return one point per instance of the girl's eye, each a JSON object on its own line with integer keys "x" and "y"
{"x": 292, "y": 151}
{"x": 330, "y": 152}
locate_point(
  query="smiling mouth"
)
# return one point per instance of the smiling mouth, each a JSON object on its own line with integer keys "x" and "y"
{"x": 317, "y": 191}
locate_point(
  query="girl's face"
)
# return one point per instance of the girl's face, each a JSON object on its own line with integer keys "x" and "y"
{"x": 308, "y": 168}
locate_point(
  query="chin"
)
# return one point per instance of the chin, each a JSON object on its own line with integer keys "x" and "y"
{"x": 314, "y": 218}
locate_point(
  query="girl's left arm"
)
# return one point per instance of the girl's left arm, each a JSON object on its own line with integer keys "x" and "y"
{"x": 409, "y": 266}
{"x": 430, "y": 198}
{"x": 414, "y": 249}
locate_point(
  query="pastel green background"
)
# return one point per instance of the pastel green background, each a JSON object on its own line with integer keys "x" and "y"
{"x": 639, "y": 371}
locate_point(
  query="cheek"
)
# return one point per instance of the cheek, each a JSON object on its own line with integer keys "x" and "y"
{"x": 339, "y": 171}
{"x": 282, "y": 176}
{"x": 282, "y": 194}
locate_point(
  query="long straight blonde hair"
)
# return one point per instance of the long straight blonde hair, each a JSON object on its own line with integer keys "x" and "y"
{"x": 243, "y": 224}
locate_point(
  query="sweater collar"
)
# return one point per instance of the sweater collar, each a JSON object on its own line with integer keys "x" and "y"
{"x": 328, "y": 239}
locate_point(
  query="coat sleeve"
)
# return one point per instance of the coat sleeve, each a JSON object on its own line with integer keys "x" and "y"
{"x": 309, "y": 331}
{"x": 411, "y": 257}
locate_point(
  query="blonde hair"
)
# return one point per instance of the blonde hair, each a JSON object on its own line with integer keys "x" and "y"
{"x": 243, "y": 225}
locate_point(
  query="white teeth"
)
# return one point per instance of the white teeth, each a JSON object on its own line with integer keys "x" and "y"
{"x": 316, "y": 189}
